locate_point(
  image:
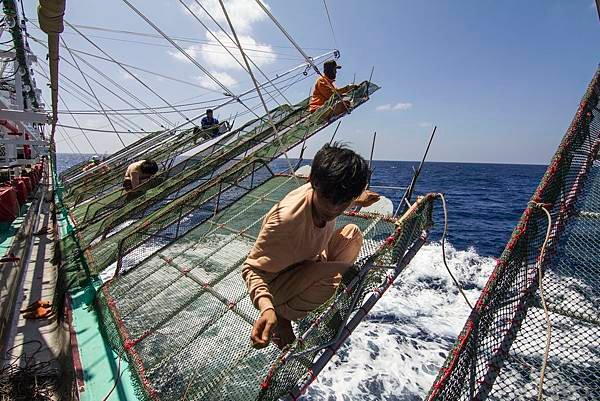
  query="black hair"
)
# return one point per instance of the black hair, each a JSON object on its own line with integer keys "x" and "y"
{"x": 338, "y": 173}
{"x": 208, "y": 111}
{"x": 149, "y": 167}
{"x": 329, "y": 71}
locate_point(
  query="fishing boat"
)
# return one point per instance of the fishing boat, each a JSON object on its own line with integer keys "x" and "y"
{"x": 114, "y": 295}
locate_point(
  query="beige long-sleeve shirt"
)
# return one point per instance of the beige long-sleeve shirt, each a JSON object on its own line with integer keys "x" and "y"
{"x": 288, "y": 236}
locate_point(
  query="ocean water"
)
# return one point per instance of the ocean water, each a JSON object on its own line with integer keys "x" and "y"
{"x": 396, "y": 352}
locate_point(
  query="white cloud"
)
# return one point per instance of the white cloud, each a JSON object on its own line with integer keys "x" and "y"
{"x": 214, "y": 54}
{"x": 425, "y": 124}
{"x": 243, "y": 13}
{"x": 398, "y": 106}
{"x": 223, "y": 77}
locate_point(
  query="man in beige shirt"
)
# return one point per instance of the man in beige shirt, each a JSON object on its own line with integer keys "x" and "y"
{"x": 137, "y": 173}
{"x": 299, "y": 257}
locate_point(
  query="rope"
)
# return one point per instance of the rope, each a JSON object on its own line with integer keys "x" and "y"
{"x": 127, "y": 123}
{"x": 275, "y": 131}
{"x": 540, "y": 395}
{"x": 178, "y": 38}
{"x": 181, "y": 81}
{"x": 308, "y": 59}
{"x": 24, "y": 378}
{"x": 123, "y": 68}
{"x": 330, "y": 24}
{"x": 196, "y": 63}
{"x": 119, "y": 374}
{"x": 77, "y": 123}
{"x": 93, "y": 93}
{"x": 229, "y": 37}
{"x": 444, "y": 251}
{"x": 117, "y": 85}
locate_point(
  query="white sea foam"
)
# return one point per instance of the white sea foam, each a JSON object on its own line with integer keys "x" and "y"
{"x": 395, "y": 354}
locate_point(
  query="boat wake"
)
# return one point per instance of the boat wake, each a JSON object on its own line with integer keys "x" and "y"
{"x": 397, "y": 351}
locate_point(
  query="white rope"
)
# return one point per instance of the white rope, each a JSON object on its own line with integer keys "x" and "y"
{"x": 444, "y": 251}
{"x": 543, "y": 301}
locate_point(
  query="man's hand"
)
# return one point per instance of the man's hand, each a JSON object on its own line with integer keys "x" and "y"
{"x": 261, "y": 331}
{"x": 367, "y": 198}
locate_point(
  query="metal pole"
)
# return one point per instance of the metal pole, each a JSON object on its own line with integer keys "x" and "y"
{"x": 413, "y": 183}
{"x": 371, "y": 158}
{"x": 335, "y": 132}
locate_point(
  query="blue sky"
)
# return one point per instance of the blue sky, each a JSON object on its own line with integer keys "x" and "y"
{"x": 501, "y": 80}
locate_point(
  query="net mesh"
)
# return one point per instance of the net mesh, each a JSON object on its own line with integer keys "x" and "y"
{"x": 113, "y": 208}
{"x": 500, "y": 351}
{"x": 110, "y": 174}
{"x": 152, "y": 224}
{"x": 69, "y": 173}
{"x": 182, "y": 317}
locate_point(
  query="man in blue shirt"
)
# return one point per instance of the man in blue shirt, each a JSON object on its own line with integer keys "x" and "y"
{"x": 209, "y": 121}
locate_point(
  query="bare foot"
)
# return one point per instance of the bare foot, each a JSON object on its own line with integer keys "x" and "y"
{"x": 283, "y": 334}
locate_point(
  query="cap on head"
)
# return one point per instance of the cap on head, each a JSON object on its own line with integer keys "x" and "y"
{"x": 330, "y": 68}
{"x": 331, "y": 64}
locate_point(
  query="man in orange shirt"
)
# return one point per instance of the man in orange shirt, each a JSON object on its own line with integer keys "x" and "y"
{"x": 299, "y": 256}
{"x": 325, "y": 88}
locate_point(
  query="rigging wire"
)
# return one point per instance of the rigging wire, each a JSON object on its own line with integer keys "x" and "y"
{"x": 330, "y": 24}
{"x": 262, "y": 100}
{"x": 123, "y": 67}
{"x": 194, "y": 61}
{"x": 260, "y": 52}
{"x": 77, "y": 123}
{"x": 140, "y": 69}
{"x": 102, "y": 130}
{"x": 76, "y": 87}
{"x": 177, "y": 38}
{"x": 229, "y": 37}
{"x": 251, "y": 110}
{"x": 117, "y": 85}
{"x": 92, "y": 90}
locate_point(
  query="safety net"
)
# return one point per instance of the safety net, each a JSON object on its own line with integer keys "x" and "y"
{"x": 182, "y": 317}
{"x": 110, "y": 174}
{"x": 500, "y": 352}
{"x": 117, "y": 237}
{"x": 76, "y": 169}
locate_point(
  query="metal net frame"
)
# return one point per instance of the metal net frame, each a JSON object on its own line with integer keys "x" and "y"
{"x": 115, "y": 207}
{"x": 500, "y": 351}
{"x": 69, "y": 173}
{"x": 172, "y": 220}
{"x": 182, "y": 317}
{"x": 109, "y": 174}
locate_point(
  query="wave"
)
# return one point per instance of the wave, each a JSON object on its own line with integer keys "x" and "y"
{"x": 397, "y": 351}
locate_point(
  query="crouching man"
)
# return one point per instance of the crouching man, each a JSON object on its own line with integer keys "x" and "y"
{"x": 299, "y": 257}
